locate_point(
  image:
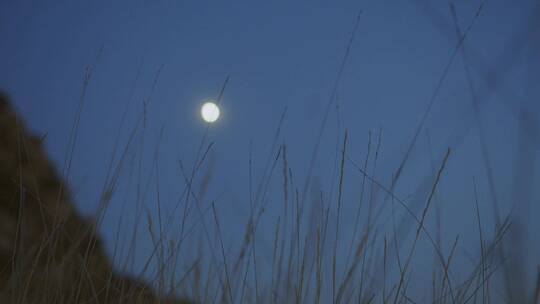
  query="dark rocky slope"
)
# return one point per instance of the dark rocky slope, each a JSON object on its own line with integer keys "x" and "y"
{"x": 48, "y": 252}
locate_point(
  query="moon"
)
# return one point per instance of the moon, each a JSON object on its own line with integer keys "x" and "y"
{"x": 210, "y": 112}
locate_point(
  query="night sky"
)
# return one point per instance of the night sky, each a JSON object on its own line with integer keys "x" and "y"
{"x": 160, "y": 60}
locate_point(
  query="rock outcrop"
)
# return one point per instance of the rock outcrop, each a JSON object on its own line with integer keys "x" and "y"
{"x": 48, "y": 252}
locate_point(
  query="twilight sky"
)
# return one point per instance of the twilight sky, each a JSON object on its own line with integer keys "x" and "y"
{"x": 285, "y": 56}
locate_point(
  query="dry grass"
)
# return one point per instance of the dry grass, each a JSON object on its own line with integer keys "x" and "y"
{"x": 52, "y": 255}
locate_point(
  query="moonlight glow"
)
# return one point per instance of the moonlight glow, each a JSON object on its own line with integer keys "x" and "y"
{"x": 210, "y": 112}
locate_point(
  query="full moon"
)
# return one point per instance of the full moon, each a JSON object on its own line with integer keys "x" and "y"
{"x": 210, "y": 112}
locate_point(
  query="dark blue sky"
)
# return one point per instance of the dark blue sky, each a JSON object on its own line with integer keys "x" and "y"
{"x": 285, "y": 55}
